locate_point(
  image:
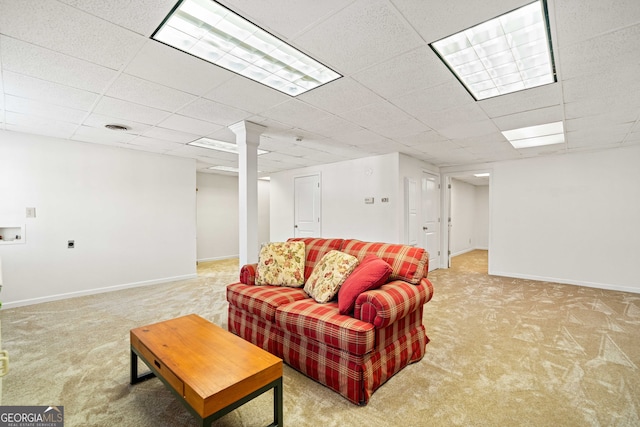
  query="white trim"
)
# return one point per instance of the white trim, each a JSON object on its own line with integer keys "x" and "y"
{"x": 218, "y": 258}
{"x": 57, "y": 297}
{"x": 567, "y": 282}
{"x": 464, "y": 251}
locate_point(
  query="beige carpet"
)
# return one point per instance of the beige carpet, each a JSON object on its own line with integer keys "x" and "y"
{"x": 503, "y": 352}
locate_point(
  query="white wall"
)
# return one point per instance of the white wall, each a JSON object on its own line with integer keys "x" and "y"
{"x": 217, "y": 213}
{"x": 344, "y": 186}
{"x": 481, "y": 214}
{"x": 132, "y": 216}
{"x": 572, "y": 219}
{"x": 463, "y": 217}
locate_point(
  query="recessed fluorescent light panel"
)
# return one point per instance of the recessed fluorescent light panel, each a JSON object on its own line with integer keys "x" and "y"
{"x": 536, "y": 136}
{"x": 214, "y": 144}
{"x": 223, "y": 168}
{"x": 481, "y": 175}
{"x": 210, "y": 31}
{"x": 506, "y": 54}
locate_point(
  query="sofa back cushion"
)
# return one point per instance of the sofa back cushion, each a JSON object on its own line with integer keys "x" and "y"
{"x": 315, "y": 249}
{"x": 407, "y": 263}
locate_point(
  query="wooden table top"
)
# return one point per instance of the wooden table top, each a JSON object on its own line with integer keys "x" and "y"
{"x": 217, "y": 367}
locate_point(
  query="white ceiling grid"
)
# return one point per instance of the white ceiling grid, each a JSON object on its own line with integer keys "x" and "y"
{"x": 68, "y": 67}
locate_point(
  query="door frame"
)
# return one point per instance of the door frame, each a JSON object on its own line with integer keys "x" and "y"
{"x": 445, "y": 229}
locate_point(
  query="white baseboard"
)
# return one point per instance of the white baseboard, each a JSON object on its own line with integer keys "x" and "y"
{"x": 57, "y": 297}
{"x": 218, "y": 258}
{"x": 606, "y": 286}
{"x": 464, "y": 251}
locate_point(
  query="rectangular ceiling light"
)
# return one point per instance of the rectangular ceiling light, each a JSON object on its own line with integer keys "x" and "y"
{"x": 481, "y": 175}
{"x": 536, "y": 136}
{"x": 506, "y": 54}
{"x": 210, "y": 31}
{"x": 214, "y": 144}
{"x": 223, "y": 168}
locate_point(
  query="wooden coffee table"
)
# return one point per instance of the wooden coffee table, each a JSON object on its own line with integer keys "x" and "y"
{"x": 211, "y": 370}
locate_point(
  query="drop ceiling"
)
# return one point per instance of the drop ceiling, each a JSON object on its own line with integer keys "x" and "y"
{"x": 70, "y": 67}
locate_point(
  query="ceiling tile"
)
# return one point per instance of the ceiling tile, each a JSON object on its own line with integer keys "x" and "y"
{"x": 39, "y": 125}
{"x": 331, "y": 97}
{"x": 582, "y": 20}
{"x": 530, "y": 118}
{"x": 295, "y": 113}
{"x": 374, "y": 30}
{"x": 437, "y": 20}
{"x": 526, "y": 100}
{"x": 49, "y": 92}
{"x": 101, "y": 135}
{"x": 214, "y": 112}
{"x": 607, "y": 53}
{"x": 134, "y": 89}
{"x": 189, "y": 125}
{"x": 373, "y": 115}
{"x": 67, "y": 30}
{"x": 422, "y": 103}
{"x": 159, "y": 133}
{"x": 468, "y": 112}
{"x": 332, "y": 126}
{"x": 128, "y": 110}
{"x": 98, "y": 121}
{"x": 419, "y": 68}
{"x": 362, "y": 137}
{"x": 169, "y": 67}
{"x": 247, "y": 95}
{"x": 398, "y": 130}
{"x": 286, "y": 18}
{"x": 141, "y": 16}
{"x": 149, "y": 140}
{"x": 468, "y": 129}
{"x": 421, "y": 138}
{"x": 44, "y": 64}
{"x": 42, "y": 109}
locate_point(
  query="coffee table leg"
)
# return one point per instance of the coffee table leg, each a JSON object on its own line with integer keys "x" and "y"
{"x": 277, "y": 404}
{"x": 135, "y": 379}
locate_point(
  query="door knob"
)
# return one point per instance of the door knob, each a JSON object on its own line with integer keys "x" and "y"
{"x": 295, "y": 226}
{"x": 425, "y": 228}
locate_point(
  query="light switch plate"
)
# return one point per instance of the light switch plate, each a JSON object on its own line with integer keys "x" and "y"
{"x": 31, "y": 212}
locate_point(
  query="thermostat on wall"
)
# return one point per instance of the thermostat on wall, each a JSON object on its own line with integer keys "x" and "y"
{"x": 368, "y": 200}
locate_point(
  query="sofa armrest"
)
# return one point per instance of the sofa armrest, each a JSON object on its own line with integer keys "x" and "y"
{"x": 392, "y": 301}
{"x": 248, "y": 274}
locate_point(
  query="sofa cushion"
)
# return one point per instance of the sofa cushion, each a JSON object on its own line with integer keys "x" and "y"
{"x": 281, "y": 263}
{"x": 407, "y": 263}
{"x": 323, "y": 323}
{"x": 315, "y": 249}
{"x": 371, "y": 273}
{"x": 328, "y": 275}
{"x": 262, "y": 301}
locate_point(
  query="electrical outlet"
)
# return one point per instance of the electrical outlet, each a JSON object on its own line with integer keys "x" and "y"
{"x": 71, "y": 244}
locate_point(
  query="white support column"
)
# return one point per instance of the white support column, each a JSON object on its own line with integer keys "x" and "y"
{"x": 248, "y": 139}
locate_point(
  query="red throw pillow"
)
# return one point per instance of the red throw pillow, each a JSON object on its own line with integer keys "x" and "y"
{"x": 371, "y": 273}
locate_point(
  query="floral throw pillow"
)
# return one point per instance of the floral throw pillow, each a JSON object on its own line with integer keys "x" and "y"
{"x": 329, "y": 274}
{"x": 281, "y": 264}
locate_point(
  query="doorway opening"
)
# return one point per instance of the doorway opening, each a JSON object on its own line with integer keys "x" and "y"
{"x": 467, "y": 213}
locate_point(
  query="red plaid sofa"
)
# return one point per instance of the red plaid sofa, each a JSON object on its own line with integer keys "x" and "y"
{"x": 353, "y": 355}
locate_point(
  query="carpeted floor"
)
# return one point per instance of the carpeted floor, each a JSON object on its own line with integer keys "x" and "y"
{"x": 503, "y": 352}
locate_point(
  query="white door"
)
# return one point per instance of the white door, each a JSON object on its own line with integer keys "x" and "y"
{"x": 411, "y": 211}
{"x": 307, "y": 206}
{"x": 430, "y": 199}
